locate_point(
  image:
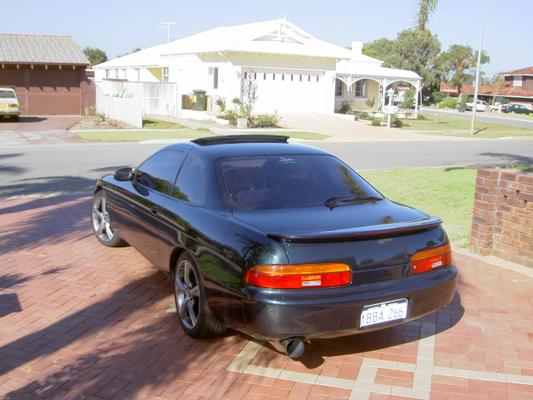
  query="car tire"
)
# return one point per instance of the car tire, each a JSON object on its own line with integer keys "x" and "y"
{"x": 101, "y": 223}
{"x": 192, "y": 309}
{"x": 16, "y": 118}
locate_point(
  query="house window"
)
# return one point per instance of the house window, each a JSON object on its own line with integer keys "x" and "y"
{"x": 301, "y": 77}
{"x": 338, "y": 87}
{"x": 292, "y": 77}
{"x": 360, "y": 88}
{"x": 264, "y": 76}
{"x": 282, "y": 77}
{"x": 246, "y": 75}
{"x": 308, "y": 78}
{"x": 517, "y": 81}
{"x": 164, "y": 74}
{"x": 274, "y": 77}
{"x": 317, "y": 78}
{"x": 255, "y": 75}
{"x": 107, "y": 73}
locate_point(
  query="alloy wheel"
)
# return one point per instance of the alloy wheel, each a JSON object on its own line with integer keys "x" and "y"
{"x": 101, "y": 220}
{"x": 187, "y": 294}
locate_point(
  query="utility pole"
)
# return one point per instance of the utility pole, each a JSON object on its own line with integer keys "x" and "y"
{"x": 167, "y": 25}
{"x": 479, "y": 50}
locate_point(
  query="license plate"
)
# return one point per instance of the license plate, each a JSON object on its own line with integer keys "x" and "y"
{"x": 384, "y": 312}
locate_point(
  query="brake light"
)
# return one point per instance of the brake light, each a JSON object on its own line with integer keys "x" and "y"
{"x": 428, "y": 260}
{"x": 299, "y": 276}
{"x": 13, "y": 105}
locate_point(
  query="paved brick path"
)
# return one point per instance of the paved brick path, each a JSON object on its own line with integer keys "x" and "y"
{"x": 81, "y": 321}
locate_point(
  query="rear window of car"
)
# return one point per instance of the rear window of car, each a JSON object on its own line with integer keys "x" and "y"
{"x": 7, "y": 94}
{"x": 289, "y": 181}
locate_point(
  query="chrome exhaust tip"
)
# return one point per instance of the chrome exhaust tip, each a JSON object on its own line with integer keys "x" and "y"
{"x": 294, "y": 347}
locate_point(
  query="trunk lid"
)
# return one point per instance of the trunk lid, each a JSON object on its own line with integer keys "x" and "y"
{"x": 376, "y": 239}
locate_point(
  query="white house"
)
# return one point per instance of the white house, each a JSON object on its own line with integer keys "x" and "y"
{"x": 291, "y": 70}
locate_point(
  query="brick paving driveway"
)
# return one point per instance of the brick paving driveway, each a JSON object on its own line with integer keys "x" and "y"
{"x": 48, "y": 129}
{"x": 81, "y": 321}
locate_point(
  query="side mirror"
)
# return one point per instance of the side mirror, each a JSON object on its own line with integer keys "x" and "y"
{"x": 123, "y": 174}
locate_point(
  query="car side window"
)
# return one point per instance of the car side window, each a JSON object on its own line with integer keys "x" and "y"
{"x": 191, "y": 184}
{"x": 159, "y": 171}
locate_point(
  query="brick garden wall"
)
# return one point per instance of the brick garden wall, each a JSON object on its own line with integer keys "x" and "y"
{"x": 503, "y": 215}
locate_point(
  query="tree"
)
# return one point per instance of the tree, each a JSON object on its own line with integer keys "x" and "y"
{"x": 458, "y": 64}
{"x": 425, "y": 9}
{"x": 418, "y": 51}
{"x": 380, "y": 49}
{"x": 95, "y": 55}
{"x": 413, "y": 49}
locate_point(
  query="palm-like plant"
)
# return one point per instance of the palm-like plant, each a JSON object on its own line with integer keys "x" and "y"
{"x": 425, "y": 9}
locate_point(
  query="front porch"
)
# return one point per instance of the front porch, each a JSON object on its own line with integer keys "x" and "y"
{"x": 367, "y": 90}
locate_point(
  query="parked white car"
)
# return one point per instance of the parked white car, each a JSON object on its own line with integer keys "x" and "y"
{"x": 481, "y": 106}
{"x": 496, "y": 107}
{"x": 9, "y": 103}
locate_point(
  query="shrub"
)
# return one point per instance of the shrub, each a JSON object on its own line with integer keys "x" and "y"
{"x": 221, "y": 103}
{"x": 232, "y": 116}
{"x": 448, "y": 102}
{"x": 375, "y": 121}
{"x": 437, "y": 97}
{"x": 345, "y": 108}
{"x": 421, "y": 117}
{"x": 355, "y": 117}
{"x": 265, "y": 121}
{"x": 396, "y": 121}
{"x": 409, "y": 99}
{"x": 99, "y": 118}
{"x": 362, "y": 114}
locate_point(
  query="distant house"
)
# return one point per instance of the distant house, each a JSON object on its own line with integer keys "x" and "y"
{"x": 516, "y": 86}
{"x": 48, "y": 73}
{"x": 292, "y": 70}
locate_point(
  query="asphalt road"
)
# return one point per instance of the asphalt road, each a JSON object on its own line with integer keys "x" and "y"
{"x": 34, "y": 169}
{"x": 495, "y": 118}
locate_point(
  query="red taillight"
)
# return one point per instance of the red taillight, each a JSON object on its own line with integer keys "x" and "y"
{"x": 13, "y": 106}
{"x": 428, "y": 260}
{"x": 299, "y": 276}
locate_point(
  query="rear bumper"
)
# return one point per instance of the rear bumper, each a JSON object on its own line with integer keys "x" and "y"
{"x": 9, "y": 113}
{"x": 326, "y": 313}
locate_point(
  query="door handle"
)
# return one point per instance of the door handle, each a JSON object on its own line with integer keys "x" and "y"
{"x": 154, "y": 209}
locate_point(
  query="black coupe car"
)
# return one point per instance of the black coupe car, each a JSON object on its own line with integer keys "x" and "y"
{"x": 280, "y": 241}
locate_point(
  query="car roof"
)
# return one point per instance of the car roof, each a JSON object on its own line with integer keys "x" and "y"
{"x": 245, "y": 148}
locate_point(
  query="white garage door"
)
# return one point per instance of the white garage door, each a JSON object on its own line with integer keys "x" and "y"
{"x": 292, "y": 92}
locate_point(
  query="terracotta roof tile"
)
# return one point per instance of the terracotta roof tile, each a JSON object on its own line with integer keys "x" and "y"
{"x": 526, "y": 71}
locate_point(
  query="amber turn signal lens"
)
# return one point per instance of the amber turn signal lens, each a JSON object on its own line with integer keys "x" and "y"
{"x": 428, "y": 260}
{"x": 299, "y": 276}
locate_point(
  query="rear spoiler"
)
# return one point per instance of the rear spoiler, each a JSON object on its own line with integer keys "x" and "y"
{"x": 361, "y": 233}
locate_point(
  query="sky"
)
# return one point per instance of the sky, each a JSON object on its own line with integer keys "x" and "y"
{"x": 119, "y": 26}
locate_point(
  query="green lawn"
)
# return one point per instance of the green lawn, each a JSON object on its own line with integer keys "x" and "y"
{"x": 447, "y": 193}
{"x": 150, "y": 123}
{"x": 454, "y": 126}
{"x": 141, "y": 135}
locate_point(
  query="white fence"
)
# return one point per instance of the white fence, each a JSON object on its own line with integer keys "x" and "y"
{"x": 123, "y": 109}
{"x": 144, "y": 98}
